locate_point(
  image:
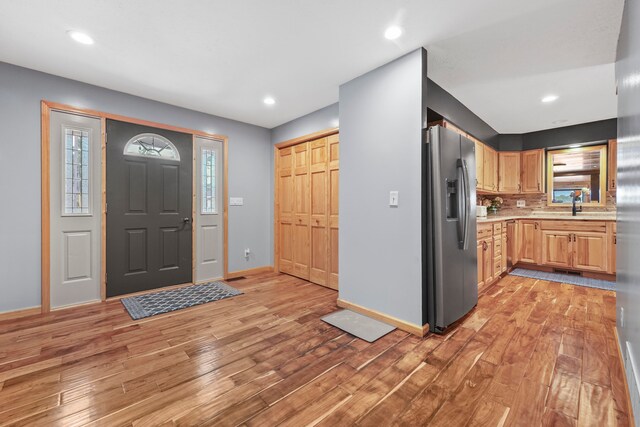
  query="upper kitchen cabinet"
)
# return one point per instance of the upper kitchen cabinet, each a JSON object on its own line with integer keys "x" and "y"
{"x": 509, "y": 172}
{"x": 490, "y": 173}
{"x": 532, "y": 171}
{"x": 479, "y": 165}
{"x": 613, "y": 165}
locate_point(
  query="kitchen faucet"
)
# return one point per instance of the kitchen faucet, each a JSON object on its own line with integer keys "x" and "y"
{"x": 574, "y": 209}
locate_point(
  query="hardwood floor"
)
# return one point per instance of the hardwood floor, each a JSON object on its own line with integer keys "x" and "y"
{"x": 532, "y": 353}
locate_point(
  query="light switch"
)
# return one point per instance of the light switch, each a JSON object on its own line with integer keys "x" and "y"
{"x": 236, "y": 201}
{"x": 393, "y": 198}
{"x": 521, "y": 204}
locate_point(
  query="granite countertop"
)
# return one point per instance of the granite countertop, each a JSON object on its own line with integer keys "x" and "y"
{"x": 563, "y": 216}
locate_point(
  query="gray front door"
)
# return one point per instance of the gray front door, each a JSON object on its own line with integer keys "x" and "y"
{"x": 149, "y": 198}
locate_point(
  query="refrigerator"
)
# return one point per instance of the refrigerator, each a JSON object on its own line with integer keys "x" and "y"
{"x": 450, "y": 263}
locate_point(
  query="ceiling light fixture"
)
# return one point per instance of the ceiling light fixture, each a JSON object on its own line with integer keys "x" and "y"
{"x": 393, "y": 32}
{"x": 80, "y": 37}
{"x": 574, "y": 146}
{"x": 269, "y": 100}
{"x": 549, "y": 98}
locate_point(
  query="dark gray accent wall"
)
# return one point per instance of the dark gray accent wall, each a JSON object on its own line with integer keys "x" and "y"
{"x": 628, "y": 238}
{"x": 21, "y": 91}
{"x": 585, "y": 132}
{"x": 381, "y": 136}
{"x": 446, "y": 105}
{"x": 511, "y": 142}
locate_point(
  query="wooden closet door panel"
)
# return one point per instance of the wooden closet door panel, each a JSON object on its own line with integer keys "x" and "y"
{"x": 334, "y": 175}
{"x": 301, "y": 212}
{"x": 285, "y": 210}
{"x": 319, "y": 231}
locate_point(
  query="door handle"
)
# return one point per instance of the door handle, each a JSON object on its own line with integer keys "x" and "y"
{"x": 186, "y": 220}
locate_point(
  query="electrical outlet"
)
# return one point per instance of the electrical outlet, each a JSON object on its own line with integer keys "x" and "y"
{"x": 521, "y": 203}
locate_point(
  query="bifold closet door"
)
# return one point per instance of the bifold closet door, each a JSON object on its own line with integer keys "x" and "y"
{"x": 319, "y": 226}
{"x": 301, "y": 202}
{"x": 285, "y": 209}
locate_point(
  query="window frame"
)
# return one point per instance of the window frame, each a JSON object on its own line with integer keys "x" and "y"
{"x": 154, "y": 135}
{"x": 599, "y": 146}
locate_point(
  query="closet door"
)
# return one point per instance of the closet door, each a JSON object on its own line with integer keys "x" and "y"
{"x": 319, "y": 229}
{"x": 334, "y": 172}
{"x": 285, "y": 209}
{"x": 301, "y": 197}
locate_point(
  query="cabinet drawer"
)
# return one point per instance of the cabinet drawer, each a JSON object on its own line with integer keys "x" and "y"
{"x": 575, "y": 225}
{"x": 484, "y": 231}
{"x": 497, "y": 267}
{"x": 497, "y": 228}
{"x": 497, "y": 246}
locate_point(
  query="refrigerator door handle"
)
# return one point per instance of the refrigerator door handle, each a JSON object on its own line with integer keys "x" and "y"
{"x": 467, "y": 205}
{"x": 461, "y": 224}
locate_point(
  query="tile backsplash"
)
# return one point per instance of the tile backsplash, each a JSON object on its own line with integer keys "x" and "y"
{"x": 538, "y": 202}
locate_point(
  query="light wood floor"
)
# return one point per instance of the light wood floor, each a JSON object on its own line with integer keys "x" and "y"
{"x": 533, "y": 353}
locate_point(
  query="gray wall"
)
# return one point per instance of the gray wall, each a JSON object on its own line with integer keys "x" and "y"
{"x": 20, "y": 93}
{"x": 628, "y": 243}
{"x": 446, "y": 105}
{"x": 381, "y": 122}
{"x": 584, "y": 132}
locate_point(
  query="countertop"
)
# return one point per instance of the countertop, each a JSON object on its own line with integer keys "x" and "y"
{"x": 562, "y": 216}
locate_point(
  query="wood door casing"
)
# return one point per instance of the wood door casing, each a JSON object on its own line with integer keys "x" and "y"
{"x": 509, "y": 172}
{"x": 557, "y": 248}
{"x": 334, "y": 180}
{"x": 590, "y": 251}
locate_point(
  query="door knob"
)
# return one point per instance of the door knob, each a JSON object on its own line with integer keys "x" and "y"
{"x": 186, "y": 220}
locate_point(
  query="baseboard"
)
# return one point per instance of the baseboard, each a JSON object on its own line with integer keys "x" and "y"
{"x": 23, "y": 312}
{"x": 414, "y": 329}
{"x": 257, "y": 270}
{"x": 627, "y": 370}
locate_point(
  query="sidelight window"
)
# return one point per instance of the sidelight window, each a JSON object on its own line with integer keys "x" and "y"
{"x": 151, "y": 145}
{"x": 76, "y": 172}
{"x": 208, "y": 181}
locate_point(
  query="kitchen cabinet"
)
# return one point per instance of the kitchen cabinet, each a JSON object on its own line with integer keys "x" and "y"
{"x": 487, "y": 261}
{"x": 556, "y": 248}
{"x": 590, "y": 251}
{"x": 532, "y": 171}
{"x": 490, "y": 166}
{"x": 492, "y": 252}
{"x": 530, "y": 237}
{"x": 612, "y": 167}
{"x": 480, "y": 252}
{"x": 479, "y": 164}
{"x": 612, "y": 239}
{"x": 509, "y": 172}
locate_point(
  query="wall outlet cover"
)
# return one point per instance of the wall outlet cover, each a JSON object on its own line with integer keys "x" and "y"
{"x": 236, "y": 201}
{"x": 521, "y": 203}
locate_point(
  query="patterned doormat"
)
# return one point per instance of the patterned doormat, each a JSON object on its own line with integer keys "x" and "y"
{"x": 148, "y": 305}
{"x": 565, "y": 278}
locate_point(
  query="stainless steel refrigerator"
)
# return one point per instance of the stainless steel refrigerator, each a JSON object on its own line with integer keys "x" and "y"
{"x": 450, "y": 263}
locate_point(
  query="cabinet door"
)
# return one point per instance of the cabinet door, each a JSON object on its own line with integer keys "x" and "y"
{"x": 487, "y": 261}
{"x": 301, "y": 231}
{"x": 479, "y": 164}
{"x": 612, "y": 168}
{"x": 319, "y": 228}
{"x": 285, "y": 210}
{"x": 480, "y": 251}
{"x": 334, "y": 174}
{"x": 590, "y": 251}
{"x": 530, "y": 241}
{"x": 556, "y": 248}
{"x": 505, "y": 251}
{"x": 532, "y": 175}
{"x": 490, "y": 169}
{"x": 509, "y": 172}
{"x": 611, "y": 237}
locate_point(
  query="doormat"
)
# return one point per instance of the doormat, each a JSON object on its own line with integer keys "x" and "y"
{"x": 148, "y": 305}
{"x": 565, "y": 278}
{"x": 358, "y": 325}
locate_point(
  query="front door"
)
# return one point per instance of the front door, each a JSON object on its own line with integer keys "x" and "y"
{"x": 149, "y": 208}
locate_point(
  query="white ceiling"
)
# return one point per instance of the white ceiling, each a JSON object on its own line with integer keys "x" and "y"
{"x": 498, "y": 57}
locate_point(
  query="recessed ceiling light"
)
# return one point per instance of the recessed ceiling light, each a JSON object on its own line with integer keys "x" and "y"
{"x": 574, "y": 146}
{"x": 549, "y": 98}
{"x": 269, "y": 100}
{"x": 393, "y": 32}
{"x": 80, "y": 37}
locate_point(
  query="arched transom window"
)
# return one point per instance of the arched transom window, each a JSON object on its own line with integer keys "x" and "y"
{"x": 151, "y": 145}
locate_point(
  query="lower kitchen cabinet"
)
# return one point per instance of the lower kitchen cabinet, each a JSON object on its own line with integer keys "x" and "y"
{"x": 530, "y": 236}
{"x": 491, "y": 250}
{"x": 556, "y": 248}
{"x": 590, "y": 251}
